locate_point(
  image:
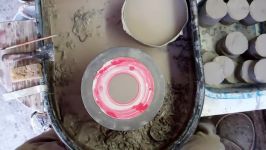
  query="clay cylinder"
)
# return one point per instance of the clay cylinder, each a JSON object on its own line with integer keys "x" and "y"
{"x": 245, "y": 71}
{"x": 213, "y": 73}
{"x": 233, "y": 78}
{"x": 237, "y": 10}
{"x": 256, "y": 14}
{"x": 258, "y": 72}
{"x": 212, "y": 12}
{"x": 257, "y": 47}
{"x": 227, "y": 64}
{"x": 233, "y": 45}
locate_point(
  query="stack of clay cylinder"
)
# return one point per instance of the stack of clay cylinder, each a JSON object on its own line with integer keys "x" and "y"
{"x": 232, "y": 11}
{"x": 239, "y": 60}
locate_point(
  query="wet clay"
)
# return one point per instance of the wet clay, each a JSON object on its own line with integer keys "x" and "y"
{"x": 234, "y": 78}
{"x": 237, "y": 10}
{"x": 83, "y": 22}
{"x": 214, "y": 74}
{"x": 257, "y": 13}
{"x": 245, "y": 71}
{"x": 236, "y": 43}
{"x": 212, "y": 12}
{"x": 174, "y": 61}
{"x": 158, "y": 134}
{"x": 63, "y": 73}
{"x": 227, "y": 64}
{"x": 233, "y": 45}
{"x": 123, "y": 88}
{"x": 257, "y": 47}
{"x": 259, "y": 71}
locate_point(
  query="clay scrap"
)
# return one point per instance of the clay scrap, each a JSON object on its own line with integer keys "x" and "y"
{"x": 28, "y": 72}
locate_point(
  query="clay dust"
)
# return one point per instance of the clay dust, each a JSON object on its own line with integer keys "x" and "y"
{"x": 83, "y": 21}
{"x": 157, "y": 134}
{"x": 63, "y": 73}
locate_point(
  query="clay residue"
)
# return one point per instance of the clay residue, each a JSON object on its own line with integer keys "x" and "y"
{"x": 29, "y": 72}
{"x": 65, "y": 41}
{"x": 70, "y": 44}
{"x": 107, "y": 33}
{"x": 50, "y": 10}
{"x": 157, "y": 134}
{"x": 84, "y": 23}
{"x": 160, "y": 133}
{"x": 63, "y": 73}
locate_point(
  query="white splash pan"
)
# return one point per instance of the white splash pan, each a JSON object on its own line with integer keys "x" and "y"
{"x": 182, "y": 18}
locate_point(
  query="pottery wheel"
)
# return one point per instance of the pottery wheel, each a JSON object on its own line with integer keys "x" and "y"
{"x": 118, "y": 105}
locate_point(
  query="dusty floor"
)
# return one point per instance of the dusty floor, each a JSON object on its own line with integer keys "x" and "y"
{"x": 8, "y": 9}
{"x": 15, "y": 126}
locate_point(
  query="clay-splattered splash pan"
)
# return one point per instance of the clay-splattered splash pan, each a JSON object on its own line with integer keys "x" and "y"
{"x": 88, "y": 27}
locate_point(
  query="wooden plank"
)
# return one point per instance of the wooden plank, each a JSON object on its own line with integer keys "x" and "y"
{"x": 14, "y": 33}
{"x": 17, "y": 33}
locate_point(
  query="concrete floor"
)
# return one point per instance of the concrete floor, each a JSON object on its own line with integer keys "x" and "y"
{"x": 8, "y": 9}
{"x": 15, "y": 126}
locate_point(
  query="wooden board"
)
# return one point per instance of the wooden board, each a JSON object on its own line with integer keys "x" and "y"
{"x": 16, "y": 33}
